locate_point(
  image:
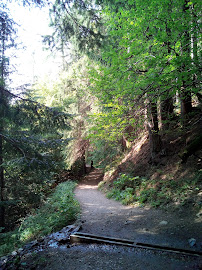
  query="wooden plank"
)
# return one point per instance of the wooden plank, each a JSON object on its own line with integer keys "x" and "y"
{"x": 91, "y": 238}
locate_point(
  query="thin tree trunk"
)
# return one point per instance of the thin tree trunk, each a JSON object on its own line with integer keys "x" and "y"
{"x": 166, "y": 106}
{"x": 2, "y": 186}
{"x": 186, "y": 99}
{"x": 166, "y": 112}
{"x": 186, "y": 102}
{"x": 154, "y": 137}
{"x": 195, "y": 58}
{"x": 154, "y": 116}
{"x": 2, "y": 108}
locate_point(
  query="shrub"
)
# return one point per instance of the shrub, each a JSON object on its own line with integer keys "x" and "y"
{"x": 59, "y": 210}
{"x": 129, "y": 189}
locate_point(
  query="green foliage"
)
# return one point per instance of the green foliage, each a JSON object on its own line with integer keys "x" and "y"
{"x": 150, "y": 54}
{"x": 126, "y": 196}
{"x": 70, "y": 92}
{"x": 125, "y": 187}
{"x": 129, "y": 189}
{"x": 59, "y": 210}
{"x": 32, "y": 149}
{"x": 9, "y": 241}
{"x": 78, "y": 23}
{"x": 31, "y": 139}
{"x": 146, "y": 58}
{"x": 127, "y": 180}
{"x": 104, "y": 153}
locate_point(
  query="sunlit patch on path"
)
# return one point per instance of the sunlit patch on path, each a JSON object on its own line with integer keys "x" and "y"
{"x": 106, "y": 217}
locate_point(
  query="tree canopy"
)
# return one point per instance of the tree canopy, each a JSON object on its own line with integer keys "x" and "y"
{"x": 146, "y": 56}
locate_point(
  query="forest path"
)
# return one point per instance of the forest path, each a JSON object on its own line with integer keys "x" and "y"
{"x": 106, "y": 217}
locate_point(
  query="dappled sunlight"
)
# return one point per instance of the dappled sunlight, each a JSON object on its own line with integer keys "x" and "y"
{"x": 198, "y": 220}
{"x": 91, "y": 180}
{"x": 104, "y": 207}
{"x": 88, "y": 187}
{"x": 104, "y": 216}
{"x": 143, "y": 231}
{"x": 91, "y": 204}
{"x": 133, "y": 218}
{"x": 136, "y": 148}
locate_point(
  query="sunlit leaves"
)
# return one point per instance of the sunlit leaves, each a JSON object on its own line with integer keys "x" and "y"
{"x": 145, "y": 56}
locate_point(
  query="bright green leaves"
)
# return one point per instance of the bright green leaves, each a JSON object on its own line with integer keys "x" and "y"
{"x": 144, "y": 58}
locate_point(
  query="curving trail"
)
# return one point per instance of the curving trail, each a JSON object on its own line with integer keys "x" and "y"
{"x": 107, "y": 217}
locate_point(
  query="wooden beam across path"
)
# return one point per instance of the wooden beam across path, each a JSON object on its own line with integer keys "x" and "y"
{"x": 79, "y": 237}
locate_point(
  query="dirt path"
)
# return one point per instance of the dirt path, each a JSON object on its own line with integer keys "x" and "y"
{"x": 110, "y": 218}
{"x": 106, "y": 217}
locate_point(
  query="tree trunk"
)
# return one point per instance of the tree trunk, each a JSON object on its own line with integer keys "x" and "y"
{"x": 2, "y": 186}
{"x": 166, "y": 112}
{"x": 123, "y": 143}
{"x": 186, "y": 100}
{"x": 154, "y": 137}
{"x": 186, "y": 106}
{"x": 154, "y": 116}
{"x": 195, "y": 52}
{"x": 166, "y": 106}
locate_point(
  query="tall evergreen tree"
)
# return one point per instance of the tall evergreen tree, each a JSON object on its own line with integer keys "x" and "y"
{"x": 31, "y": 137}
{"x": 77, "y": 23}
{"x": 6, "y": 42}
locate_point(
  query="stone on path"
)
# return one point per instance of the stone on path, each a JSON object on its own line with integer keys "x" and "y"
{"x": 163, "y": 222}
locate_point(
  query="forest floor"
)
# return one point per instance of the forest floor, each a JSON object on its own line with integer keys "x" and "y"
{"x": 105, "y": 217}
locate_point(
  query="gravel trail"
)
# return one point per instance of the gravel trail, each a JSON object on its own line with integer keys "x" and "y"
{"x": 107, "y": 217}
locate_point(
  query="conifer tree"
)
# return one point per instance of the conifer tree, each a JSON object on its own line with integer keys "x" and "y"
{"x": 31, "y": 138}
{"x": 6, "y": 41}
{"x": 77, "y": 23}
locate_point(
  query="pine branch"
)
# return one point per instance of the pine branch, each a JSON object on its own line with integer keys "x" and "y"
{"x": 75, "y": 21}
{"x": 14, "y": 143}
{"x": 35, "y": 102}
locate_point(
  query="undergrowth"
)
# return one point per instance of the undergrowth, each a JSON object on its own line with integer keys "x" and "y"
{"x": 134, "y": 189}
{"x": 59, "y": 210}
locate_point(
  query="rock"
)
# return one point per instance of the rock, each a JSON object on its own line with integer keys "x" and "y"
{"x": 31, "y": 244}
{"x": 53, "y": 244}
{"x": 163, "y": 222}
{"x": 128, "y": 222}
{"x": 199, "y": 214}
{"x": 64, "y": 234}
{"x": 14, "y": 253}
{"x": 3, "y": 260}
{"x": 76, "y": 229}
{"x": 192, "y": 242}
{"x": 60, "y": 236}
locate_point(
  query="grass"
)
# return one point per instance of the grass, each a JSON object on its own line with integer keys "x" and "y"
{"x": 134, "y": 189}
{"x": 59, "y": 210}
